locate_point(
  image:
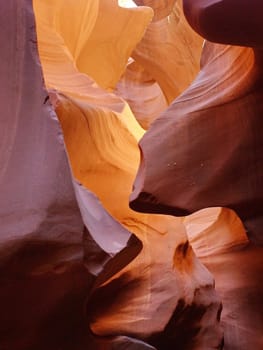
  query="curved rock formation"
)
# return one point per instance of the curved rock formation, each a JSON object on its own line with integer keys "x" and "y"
{"x": 161, "y": 8}
{"x": 170, "y": 51}
{"x": 44, "y": 282}
{"x": 214, "y": 231}
{"x": 228, "y": 172}
{"x": 101, "y": 136}
{"x": 82, "y": 269}
{"x": 205, "y": 151}
{"x": 63, "y": 256}
{"x": 142, "y": 93}
{"x": 238, "y": 275}
{"x": 149, "y": 83}
{"x": 230, "y": 22}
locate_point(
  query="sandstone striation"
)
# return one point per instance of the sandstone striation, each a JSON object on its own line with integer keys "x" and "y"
{"x": 228, "y": 172}
{"x": 142, "y": 92}
{"x": 170, "y": 52}
{"x": 101, "y": 136}
{"x": 81, "y": 81}
{"x": 44, "y": 282}
{"x": 207, "y": 146}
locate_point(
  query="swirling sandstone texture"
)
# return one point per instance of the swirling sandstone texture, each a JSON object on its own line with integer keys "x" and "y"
{"x": 80, "y": 270}
{"x": 170, "y": 51}
{"x": 44, "y": 246}
{"x": 163, "y": 64}
{"x": 212, "y": 150}
{"x": 205, "y": 150}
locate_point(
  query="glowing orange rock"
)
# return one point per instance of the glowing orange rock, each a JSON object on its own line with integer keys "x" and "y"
{"x": 170, "y": 52}
{"x": 101, "y": 137}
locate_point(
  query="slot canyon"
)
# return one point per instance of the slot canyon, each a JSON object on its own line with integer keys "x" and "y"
{"x": 131, "y": 175}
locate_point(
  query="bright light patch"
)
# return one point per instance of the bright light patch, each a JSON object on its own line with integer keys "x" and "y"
{"x": 126, "y": 3}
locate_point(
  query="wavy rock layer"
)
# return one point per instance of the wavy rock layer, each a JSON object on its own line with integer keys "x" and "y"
{"x": 161, "y": 8}
{"x": 164, "y": 62}
{"x": 215, "y": 231}
{"x": 44, "y": 281}
{"x": 101, "y": 136}
{"x": 207, "y": 148}
{"x": 238, "y": 277}
{"x": 45, "y": 272}
{"x": 170, "y": 52}
{"x": 228, "y": 172}
{"x": 142, "y": 93}
{"x": 74, "y": 273}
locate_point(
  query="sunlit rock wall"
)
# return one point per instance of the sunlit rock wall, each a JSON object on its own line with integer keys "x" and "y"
{"x": 81, "y": 80}
{"x": 208, "y": 147}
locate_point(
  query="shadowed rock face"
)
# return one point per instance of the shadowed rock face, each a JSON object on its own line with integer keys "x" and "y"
{"x": 71, "y": 273}
{"x": 83, "y": 270}
{"x": 205, "y": 150}
{"x": 230, "y": 22}
{"x": 238, "y": 282}
{"x": 44, "y": 279}
{"x": 222, "y": 109}
{"x": 211, "y": 152}
{"x": 45, "y": 275}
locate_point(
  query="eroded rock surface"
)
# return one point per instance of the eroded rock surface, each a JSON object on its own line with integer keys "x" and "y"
{"x": 211, "y": 156}
{"x": 44, "y": 280}
{"x": 101, "y": 139}
{"x": 80, "y": 268}
{"x": 170, "y": 52}
{"x": 228, "y": 172}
